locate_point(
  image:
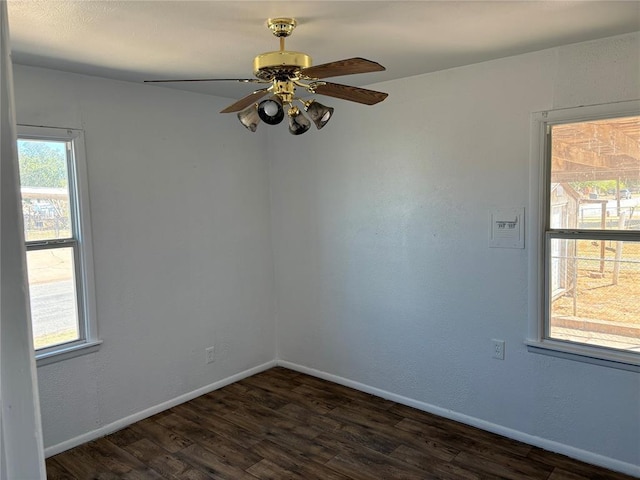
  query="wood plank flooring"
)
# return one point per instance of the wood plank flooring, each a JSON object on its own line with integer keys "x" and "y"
{"x": 281, "y": 424}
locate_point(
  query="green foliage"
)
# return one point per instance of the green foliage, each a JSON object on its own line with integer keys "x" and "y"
{"x": 42, "y": 164}
{"x": 600, "y": 186}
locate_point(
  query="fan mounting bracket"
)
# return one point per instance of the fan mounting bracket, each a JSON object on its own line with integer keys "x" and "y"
{"x": 282, "y": 26}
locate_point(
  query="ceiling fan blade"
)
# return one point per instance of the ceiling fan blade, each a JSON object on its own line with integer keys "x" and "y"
{"x": 246, "y": 101}
{"x": 242, "y": 80}
{"x": 348, "y": 66}
{"x": 347, "y": 92}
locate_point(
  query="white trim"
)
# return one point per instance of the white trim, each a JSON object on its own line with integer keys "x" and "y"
{"x": 136, "y": 417}
{"x": 66, "y": 352}
{"x": 536, "y": 223}
{"x": 586, "y": 353}
{"x": 85, "y": 231}
{"x": 585, "y": 113}
{"x": 550, "y": 445}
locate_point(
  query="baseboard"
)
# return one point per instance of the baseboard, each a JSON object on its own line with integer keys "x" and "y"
{"x": 136, "y": 417}
{"x": 550, "y": 445}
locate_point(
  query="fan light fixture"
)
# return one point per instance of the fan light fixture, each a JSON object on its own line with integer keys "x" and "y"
{"x": 298, "y": 123}
{"x": 319, "y": 114}
{"x": 284, "y": 71}
{"x": 270, "y": 111}
{"x": 250, "y": 118}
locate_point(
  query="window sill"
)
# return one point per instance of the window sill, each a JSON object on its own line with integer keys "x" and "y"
{"x": 586, "y": 354}
{"x": 65, "y": 353}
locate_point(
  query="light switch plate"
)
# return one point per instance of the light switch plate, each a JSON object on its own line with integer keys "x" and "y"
{"x": 506, "y": 228}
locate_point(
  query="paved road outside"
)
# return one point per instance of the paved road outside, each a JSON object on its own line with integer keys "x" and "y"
{"x": 53, "y": 307}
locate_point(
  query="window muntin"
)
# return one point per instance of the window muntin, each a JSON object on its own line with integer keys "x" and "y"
{"x": 591, "y": 246}
{"x": 57, "y": 235}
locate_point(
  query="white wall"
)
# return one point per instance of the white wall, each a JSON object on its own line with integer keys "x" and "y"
{"x": 384, "y": 275}
{"x": 21, "y": 448}
{"x": 181, "y": 243}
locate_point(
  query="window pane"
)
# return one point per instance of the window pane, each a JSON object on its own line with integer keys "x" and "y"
{"x": 44, "y": 184}
{"x": 595, "y": 174}
{"x": 54, "y": 311}
{"x": 595, "y": 292}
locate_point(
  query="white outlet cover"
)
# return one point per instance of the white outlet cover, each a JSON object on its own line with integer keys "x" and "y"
{"x": 210, "y": 355}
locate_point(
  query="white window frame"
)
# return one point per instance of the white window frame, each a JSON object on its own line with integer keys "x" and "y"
{"x": 81, "y": 244}
{"x": 538, "y": 198}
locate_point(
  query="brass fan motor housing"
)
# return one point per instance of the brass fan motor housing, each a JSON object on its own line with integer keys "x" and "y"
{"x": 270, "y": 65}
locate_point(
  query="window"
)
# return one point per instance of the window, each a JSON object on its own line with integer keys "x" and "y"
{"x": 55, "y": 210}
{"x": 589, "y": 252}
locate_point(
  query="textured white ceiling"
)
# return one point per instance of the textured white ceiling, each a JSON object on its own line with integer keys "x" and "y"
{"x": 137, "y": 40}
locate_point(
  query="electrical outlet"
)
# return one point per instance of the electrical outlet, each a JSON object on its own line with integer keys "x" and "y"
{"x": 497, "y": 347}
{"x": 210, "y": 357}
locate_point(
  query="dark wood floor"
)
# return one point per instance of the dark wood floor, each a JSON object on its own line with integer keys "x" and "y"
{"x": 280, "y": 424}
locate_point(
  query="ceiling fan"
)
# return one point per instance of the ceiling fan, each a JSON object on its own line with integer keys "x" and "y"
{"x": 284, "y": 71}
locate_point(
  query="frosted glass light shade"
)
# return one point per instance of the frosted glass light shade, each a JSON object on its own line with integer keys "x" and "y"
{"x": 298, "y": 123}
{"x": 250, "y": 118}
{"x": 271, "y": 111}
{"x": 318, "y": 113}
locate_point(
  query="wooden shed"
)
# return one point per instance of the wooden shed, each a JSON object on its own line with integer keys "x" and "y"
{"x": 565, "y": 205}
